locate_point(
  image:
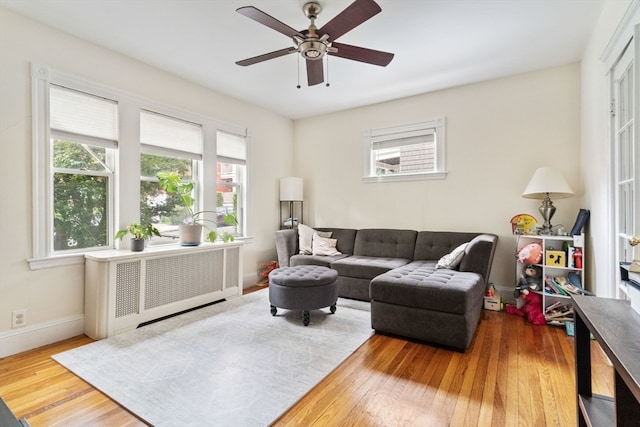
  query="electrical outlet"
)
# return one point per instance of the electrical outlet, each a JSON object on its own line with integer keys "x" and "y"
{"x": 19, "y": 318}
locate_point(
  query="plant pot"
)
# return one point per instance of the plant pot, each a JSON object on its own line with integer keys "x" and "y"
{"x": 137, "y": 245}
{"x": 190, "y": 234}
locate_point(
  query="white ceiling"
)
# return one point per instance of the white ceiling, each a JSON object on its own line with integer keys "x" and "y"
{"x": 437, "y": 44}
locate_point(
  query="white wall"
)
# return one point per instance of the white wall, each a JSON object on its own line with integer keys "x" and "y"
{"x": 498, "y": 133}
{"x": 596, "y": 157}
{"x": 55, "y": 297}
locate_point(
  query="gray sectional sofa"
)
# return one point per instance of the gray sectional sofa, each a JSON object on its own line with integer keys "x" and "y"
{"x": 396, "y": 271}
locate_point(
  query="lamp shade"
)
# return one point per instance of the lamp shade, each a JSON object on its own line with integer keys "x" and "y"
{"x": 547, "y": 180}
{"x": 291, "y": 189}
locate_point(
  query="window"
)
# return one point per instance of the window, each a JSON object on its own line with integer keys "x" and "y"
{"x": 230, "y": 183}
{"x": 405, "y": 152}
{"x": 625, "y": 174}
{"x": 83, "y": 136}
{"x": 172, "y": 145}
{"x": 96, "y": 153}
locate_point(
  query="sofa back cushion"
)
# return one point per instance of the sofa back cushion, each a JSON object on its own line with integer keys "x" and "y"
{"x": 433, "y": 245}
{"x": 374, "y": 242}
{"x": 478, "y": 256}
{"x": 345, "y": 238}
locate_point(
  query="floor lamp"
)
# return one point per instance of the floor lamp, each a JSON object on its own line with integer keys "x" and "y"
{"x": 544, "y": 183}
{"x": 291, "y": 191}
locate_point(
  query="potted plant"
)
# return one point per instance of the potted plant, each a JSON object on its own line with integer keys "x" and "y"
{"x": 191, "y": 230}
{"x": 140, "y": 233}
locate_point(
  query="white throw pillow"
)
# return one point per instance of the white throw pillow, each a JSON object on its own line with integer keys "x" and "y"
{"x": 324, "y": 246}
{"x": 452, "y": 259}
{"x": 305, "y": 236}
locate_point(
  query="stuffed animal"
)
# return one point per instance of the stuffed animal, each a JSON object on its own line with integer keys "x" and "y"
{"x": 530, "y": 254}
{"x": 531, "y": 279}
{"x": 532, "y": 308}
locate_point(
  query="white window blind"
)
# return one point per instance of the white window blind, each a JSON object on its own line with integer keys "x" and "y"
{"x": 77, "y": 113}
{"x": 393, "y": 141}
{"x": 162, "y": 134}
{"x": 231, "y": 148}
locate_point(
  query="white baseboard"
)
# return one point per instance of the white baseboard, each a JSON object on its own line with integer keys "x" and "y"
{"x": 18, "y": 340}
{"x": 249, "y": 280}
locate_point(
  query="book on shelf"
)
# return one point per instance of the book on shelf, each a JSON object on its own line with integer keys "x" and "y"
{"x": 561, "y": 286}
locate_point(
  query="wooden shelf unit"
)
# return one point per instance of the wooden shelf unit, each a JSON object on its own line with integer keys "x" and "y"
{"x": 616, "y": 327}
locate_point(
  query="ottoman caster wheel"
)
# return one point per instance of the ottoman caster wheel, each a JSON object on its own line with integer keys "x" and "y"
{"x": 305, "y": 318}
{"x": 274, "y": 310}
{"x": 333, "y": 309}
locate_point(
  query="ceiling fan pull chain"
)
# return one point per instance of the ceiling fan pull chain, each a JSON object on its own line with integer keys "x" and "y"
{"x": 327, "y": 70}
{"x": 298, "y": 86}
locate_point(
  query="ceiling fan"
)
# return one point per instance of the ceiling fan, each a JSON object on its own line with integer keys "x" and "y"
{"x": 313, "y": 44}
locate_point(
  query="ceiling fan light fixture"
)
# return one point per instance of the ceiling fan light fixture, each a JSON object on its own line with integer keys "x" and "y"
{"x": 312, "y": 49}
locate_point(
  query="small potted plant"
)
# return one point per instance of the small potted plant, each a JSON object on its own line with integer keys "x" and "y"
{"x": 191, "y": 230}
{"x": 140, "y": 233}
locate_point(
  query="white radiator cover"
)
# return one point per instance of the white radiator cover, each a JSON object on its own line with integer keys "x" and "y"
{"x": 124, "y": 289}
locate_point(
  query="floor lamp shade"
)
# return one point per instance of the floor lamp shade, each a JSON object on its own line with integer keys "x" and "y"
{"x": 291, "y": 189}
{"x": 545, "y": 183}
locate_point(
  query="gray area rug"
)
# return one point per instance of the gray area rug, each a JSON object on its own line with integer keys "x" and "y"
{"x": 229, "y": 364}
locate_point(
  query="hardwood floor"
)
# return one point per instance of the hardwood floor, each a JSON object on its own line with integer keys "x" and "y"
{"x": 514, "y": 373}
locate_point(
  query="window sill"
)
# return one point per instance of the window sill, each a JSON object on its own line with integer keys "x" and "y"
{"x": 78, "y": 258}
{"x": 405, "y": 177}
{"x": 55, "y": 261}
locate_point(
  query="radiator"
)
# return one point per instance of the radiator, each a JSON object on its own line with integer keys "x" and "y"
{"x": 124, "y": 289}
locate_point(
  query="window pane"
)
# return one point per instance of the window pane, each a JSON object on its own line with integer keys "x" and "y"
{"x": 80, "y": 211}
{"x": 165, "y": 211}
{"x": 69, "y": 155}
{"x": 405, "y": 159}
{"x": 151, "y": 164}
{"x": 230, "y": 177}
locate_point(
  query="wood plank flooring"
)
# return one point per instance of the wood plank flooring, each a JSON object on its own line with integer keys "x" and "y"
{"x": 514, "y": 373}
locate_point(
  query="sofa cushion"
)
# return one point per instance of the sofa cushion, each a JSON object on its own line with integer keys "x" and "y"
{"x": 305, "y": 236}
{"x": 323, "y": 260}
{"x": 419, "y": 284}
{"x": 365, "y": 267}
{"x": 324, "y": 246}
{"x": 345, "y": 238}
{"x": 453, "y": 258}
{"x": 385, "y": 243}
{"x": 433, "y": 245}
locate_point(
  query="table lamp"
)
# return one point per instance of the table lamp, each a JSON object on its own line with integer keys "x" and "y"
{"x": 544, "y": 183}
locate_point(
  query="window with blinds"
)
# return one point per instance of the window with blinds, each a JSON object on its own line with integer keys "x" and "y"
{"x": 83, "y": 138}
{"x": 167, "y": 144}
{"x": 405, "y": 152}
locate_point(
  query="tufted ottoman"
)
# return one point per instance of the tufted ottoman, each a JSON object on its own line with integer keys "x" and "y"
{"x": 419, "y": 301}
{"x": 303, "y": 287}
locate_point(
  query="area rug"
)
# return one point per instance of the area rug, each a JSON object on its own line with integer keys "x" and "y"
{"x": 228, "y": 364}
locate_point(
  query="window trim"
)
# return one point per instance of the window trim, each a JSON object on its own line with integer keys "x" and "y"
{"x": 374, "y": 136}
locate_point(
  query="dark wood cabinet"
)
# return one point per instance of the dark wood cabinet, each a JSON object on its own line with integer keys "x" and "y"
{"x": 616, "y": 327}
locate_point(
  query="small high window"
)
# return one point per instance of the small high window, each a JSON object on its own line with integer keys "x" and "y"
{"x": 405, "y": 152}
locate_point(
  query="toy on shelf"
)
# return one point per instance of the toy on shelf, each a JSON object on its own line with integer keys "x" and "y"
{"x": 523, "y": 224}
{"x": 530, "y": 254}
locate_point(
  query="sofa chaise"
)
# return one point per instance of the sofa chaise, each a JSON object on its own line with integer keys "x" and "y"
{"x": 398, "y": 271}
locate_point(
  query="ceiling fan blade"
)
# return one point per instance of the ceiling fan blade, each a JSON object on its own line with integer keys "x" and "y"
{"x": 362, "y": 54}
{"x": 315, "y": 72}
{"x": 355, "y": 14}
{"x": 268, "y": 20}
{"x": 267, "y": 56}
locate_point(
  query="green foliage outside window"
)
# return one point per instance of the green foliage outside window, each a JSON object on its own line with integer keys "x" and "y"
{"x": 79, "y": 196}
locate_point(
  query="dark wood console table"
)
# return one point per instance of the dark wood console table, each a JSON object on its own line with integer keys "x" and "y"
{"x": 616, "y": 327}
